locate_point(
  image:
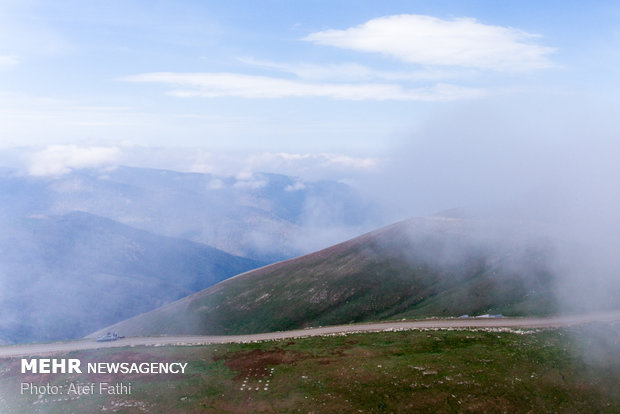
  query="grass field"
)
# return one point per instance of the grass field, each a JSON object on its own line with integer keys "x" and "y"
{"x": 439, "y": 371}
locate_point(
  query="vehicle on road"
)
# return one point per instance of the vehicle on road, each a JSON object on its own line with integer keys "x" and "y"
{"x": 110, "y": 336}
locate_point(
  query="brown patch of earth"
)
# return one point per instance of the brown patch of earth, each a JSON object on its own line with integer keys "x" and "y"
{"x": 359, "y": 352}
{"x": 258, "y": 360}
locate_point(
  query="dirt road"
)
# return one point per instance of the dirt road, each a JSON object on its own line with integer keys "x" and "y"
{"x": 458, "y": 323}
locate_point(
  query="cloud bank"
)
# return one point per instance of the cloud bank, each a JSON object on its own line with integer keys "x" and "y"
{"x": 427, "y": 40}
{"x": 432, "y": 51}
{"x": 212, "y": 85}
{"x": 546, "y": 166}
{"x": 62, "y": 159}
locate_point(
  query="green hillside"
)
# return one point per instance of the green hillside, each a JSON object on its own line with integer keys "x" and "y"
{"x": 416, "y": 268}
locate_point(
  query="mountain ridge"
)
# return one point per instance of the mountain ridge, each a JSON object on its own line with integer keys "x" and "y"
{"x": 414, "y": 268}
{"x": 64, "y": 276}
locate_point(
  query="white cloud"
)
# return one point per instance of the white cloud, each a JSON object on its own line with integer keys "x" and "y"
{"x": 306, "y": 166}
{"x": 61, "y": 159}
{"x": 298, "y": 185}
{"x": 286, "y": 161}
{"x": 427, "y": 40}
{"x": 351, "y": 162}
{"x": 212, "y": 85}
{"x": 215, "y": 184}
{"x": 441, "y": 50}
{"x": 351, "y": 71}
{"x": 310, "y": 71}
{"x": 8, "y": 61}
{"x": 252, "y": 184}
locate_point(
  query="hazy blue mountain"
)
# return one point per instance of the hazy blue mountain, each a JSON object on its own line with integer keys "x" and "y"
{"x": 264, "y": 216}
{"x": 86, "y": 249}
{"x": 65, "y": 276}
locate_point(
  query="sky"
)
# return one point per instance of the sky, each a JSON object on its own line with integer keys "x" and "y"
{"x": 345, "y": 77}
{"x": 424, "y": 106}
{"x": 432, "y": 104}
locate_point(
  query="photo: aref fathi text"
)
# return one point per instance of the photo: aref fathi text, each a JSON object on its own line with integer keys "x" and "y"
{"x": 76, "y": 389}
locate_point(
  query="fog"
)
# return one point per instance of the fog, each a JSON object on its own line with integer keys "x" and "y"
{"x": 113, "y": 242}
{"x": 534, "y": 172}
{"x": 525, "y": 170}
{"x": 543, "y": 166}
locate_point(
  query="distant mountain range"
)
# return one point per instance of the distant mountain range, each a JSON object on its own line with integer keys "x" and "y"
{"x": 417, "y": 268}
{"x": 65, "y": 276}
{"x": 86, "y": 249}
{"x": 266, "y": 217}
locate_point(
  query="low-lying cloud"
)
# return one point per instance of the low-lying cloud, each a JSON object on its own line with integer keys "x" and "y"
{"x": 535, "y": 163}
{"x": 307, "y": 165}
{"x": 62, "y": 159}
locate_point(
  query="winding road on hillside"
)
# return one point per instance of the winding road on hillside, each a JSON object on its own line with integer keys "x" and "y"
{"x": 455, "y": 323}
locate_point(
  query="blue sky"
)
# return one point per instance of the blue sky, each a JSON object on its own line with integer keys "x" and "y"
{"x": 295, "y": 76}
{"x": 509, "y": 107}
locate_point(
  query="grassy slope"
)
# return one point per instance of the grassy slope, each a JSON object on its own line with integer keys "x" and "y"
{"x": 437, "y": 371}
{"x": 411, "y": 269}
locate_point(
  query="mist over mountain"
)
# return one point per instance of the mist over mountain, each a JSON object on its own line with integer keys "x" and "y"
{"x": 64, "y": 276}
{"x": 437, "y": 266}
{"x": 267, "y": 217}
{"x": 90, "y": 247}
